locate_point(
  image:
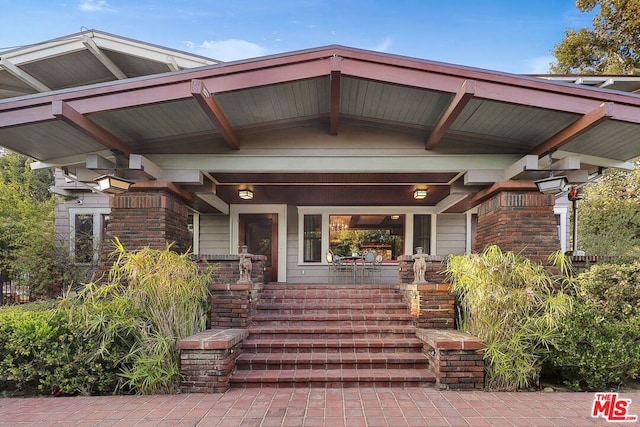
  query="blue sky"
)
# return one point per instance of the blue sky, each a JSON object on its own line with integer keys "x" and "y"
{"x": 505, "y": 35}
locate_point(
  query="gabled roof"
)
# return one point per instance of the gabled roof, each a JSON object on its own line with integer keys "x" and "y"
{"x": 358, "y": 118}
{"x": 86, "y": 58}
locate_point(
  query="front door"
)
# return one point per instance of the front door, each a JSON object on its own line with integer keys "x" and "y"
{"x": 260, "y": 233}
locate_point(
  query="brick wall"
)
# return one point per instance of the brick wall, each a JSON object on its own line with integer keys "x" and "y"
{"x": 433, "y": 274}
{"x": 430, "y": 304}
{"x": 455, "y": 358}
{"x": 232, "y": 303}
{"x": 207, "y": 359}
{"x": 146, "y": 218}
{"x": 518, "y": 221}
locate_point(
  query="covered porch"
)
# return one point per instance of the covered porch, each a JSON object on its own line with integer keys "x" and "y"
{"x": 283, "y": 153}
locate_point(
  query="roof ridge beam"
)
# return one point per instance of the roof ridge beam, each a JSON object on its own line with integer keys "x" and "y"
{"x": 335, "y": 80}
{"x": 27, "y": 78}
{"x": 455, "y": 108}
{"x": 63, "y": 111}
{"x": 213, "y": 111}
{"x": 585, "y": 123}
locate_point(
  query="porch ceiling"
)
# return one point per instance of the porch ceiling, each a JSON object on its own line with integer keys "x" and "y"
{"x": 331, "y": 125}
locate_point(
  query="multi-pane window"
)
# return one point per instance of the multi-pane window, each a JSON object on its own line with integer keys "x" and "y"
{"x": 360, "y": 233}
{"x": 422, "y": 232}
{"x": 83, "y": 238}
{"x": 312, "y": 239}
{"x": 87, "y": 227}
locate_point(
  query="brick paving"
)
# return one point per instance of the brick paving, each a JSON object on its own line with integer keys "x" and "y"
{"x": 332, "y": 407}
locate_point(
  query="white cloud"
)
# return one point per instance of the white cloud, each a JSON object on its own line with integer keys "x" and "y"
{"x": 384, "y": 45}
{"x": 539, "y": 64}
{"x": 228, "y": 50}
{"x": 94, "y": 6}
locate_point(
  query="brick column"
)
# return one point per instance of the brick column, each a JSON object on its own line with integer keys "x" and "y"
{"x": 152, "y": 218}
{"x": 517, "y": 218}
{"x": 455, "y": 358}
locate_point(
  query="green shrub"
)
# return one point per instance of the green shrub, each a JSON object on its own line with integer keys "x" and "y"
{"x": 41, "y": 352}
{"x": 119, "y": 336}
{"x": 600, "y": 345}
{"x": 152, "y": 299}
{"x": 515, "y": 306}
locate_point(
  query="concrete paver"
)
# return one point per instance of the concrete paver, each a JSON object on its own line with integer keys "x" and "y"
{"x": 349, "y": 407}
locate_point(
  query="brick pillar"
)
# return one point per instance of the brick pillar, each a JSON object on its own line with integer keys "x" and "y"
{"x": 519, "y": 220}
{"x": 152, "y": 218}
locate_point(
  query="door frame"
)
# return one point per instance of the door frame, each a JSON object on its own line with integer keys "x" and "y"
{"x": 234, "y": 230}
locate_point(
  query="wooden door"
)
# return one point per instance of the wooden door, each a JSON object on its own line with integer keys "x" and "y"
{"x": 260, "y": 233}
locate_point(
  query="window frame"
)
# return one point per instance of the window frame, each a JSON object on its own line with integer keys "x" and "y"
{"x": 97, "y": 233}
{"x": 326, "y": 211}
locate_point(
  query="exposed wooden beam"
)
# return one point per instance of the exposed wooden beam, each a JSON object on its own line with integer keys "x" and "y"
{"x": 141, "y": 163}
{"x": 155, "y": 185}
{"x": 457, "y": 105}
{"x": 214, "y": 113}
{"x": 95, "y": 161}
{"x": 334, "y": 112}
{"x": 215, "y": 201}
{"x": 527, "y": 163}
{"x": 63, "y": 111}
{"x": 104, "y": 59}
{"x": 23, "y": 75}
{"x": 596, "y": 161}
{"x": 585, "y": 123}
{"x": 483, "y": 177}
{"x": 172, "y": 64}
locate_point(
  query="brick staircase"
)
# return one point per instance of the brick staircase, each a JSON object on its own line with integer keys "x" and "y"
{"x": 331, "y": 336}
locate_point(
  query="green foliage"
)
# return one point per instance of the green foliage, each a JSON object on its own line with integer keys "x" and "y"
{"x": 119, "y": 336}
{"x": 42, "y": 352}
{"x": 600, "y": 345}
{"x": 611, "y": 46}
{"x": 152, "y": 299}
{"x": 515, "y": 306}
{"x": 29, "y": 253}
{"x": 609, "y": 219}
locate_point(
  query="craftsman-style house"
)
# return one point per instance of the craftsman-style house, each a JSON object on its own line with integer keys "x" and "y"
{"x": 302, "y": 153}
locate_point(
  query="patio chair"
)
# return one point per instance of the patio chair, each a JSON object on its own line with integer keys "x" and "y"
{"x": 336, "y": 267}
{"x": 372, "y": 265}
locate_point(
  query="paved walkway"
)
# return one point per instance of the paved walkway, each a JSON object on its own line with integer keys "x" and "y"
{"x": 351, "y": 407}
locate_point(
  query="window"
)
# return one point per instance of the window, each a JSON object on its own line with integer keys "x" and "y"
{"x": 312, "y": 239}
{"x": 83, "y": 238}
{"x": 383, "y": 234}
{"x": 87, "y": 231}
{"x": 422, "y": 232}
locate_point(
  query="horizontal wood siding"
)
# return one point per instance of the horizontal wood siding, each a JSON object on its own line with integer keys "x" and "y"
{"x": 214, "y": 234}
{"x": 450, "y": 234}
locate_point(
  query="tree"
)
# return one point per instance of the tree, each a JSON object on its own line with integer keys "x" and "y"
{"x": 609, "y": 219}
{"x": 28, "y": 250}
{"x": 612, "y": 46}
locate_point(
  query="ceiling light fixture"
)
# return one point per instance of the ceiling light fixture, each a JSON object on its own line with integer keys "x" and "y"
{"x": 245, "y": 194}
{"x": 419, "y": 194}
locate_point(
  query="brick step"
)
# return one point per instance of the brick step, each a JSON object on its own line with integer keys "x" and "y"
{"x": 280, "y": 361}
{"x": 341, "y": 331}
{"x": 329, "y": 299}
{"x": 313, "y": 307}
{"x": 332, "y": 319}
{"x": 306, "y": 287}
{"x": 335, "y": 345}
{"x": 333, "y": 378}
